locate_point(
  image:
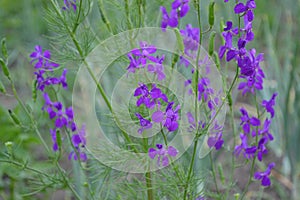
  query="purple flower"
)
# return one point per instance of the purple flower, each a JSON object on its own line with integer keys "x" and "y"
{"x": 162, "y": 154}
{"x": 69, "y": 4}
{"x": 158, "y": 68}
{"x": 149, "y": 98}
{"x": 134, "y": 63}
{"x": 203, "y": 89}
{"x": 172, "y": 117}
{"x": 79, "y": 139}
{"x": 227, "y": 35}
{"x": 264, "y": 176}
{"x": 269, "y": 105}
{"x": 191, "y": 121}
{"x": 168, "y": 20}
{"x": 42, "y": 59}
{"x": 182, "y": 6}
{"x": 145, "y": 124}
{"x": 246, "y": 9}
{"x": 79, "y": 142}
{"x": 82, "y": 155}
{"x": 265, "y": 132}
{"x": 216, "y": 140}
{"x": 54, "y": 140}
{"x": 261, "y": 148}
{"x": 249, "y": 151}
{"x": 55, "y": 111}
{"x": 144, "y": 52}
{"x": 247, "y": 121}
{"x": 190, "y": 38}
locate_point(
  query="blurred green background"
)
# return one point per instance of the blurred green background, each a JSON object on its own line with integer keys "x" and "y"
{"x": 277, "y": 34}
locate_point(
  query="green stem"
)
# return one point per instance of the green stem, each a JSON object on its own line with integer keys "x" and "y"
{"x": 103, "y": 16}
{"x": 190, "y": 169}
{"x": 213, "y": 171}
{"x": 78, "y": 17}
{"x": 149, "y": 186}
{"x": 129, "y": 25}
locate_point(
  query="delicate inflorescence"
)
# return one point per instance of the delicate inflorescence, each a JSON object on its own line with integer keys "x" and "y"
{"x": 63, "y": 117}
{"x": 254, "y": 138}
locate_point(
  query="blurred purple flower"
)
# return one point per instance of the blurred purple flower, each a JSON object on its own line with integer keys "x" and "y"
{"x": 158, "y": 68}
{"x": 69, "y": 4}
{"x": 42, "y": 59}
{"x": 216, "y": 139}
{"x": 269, "y": 105}
{"x": 168, "y": 20}
{"x": 182, "y": 6}
{"x": 145, "y": 123}
{"x": 247, "y": 121}
{"x": 204, "y": 91}
{"x": 162, "y": 154}
{"x": 264, "y": 176}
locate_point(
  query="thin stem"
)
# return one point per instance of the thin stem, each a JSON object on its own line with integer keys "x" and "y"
{"x": 197, "y": 4}
{"x": 78, "y": 17}
{"x": 129, "y": 25}
{"x": 213, "y": 171}
{"x": 28, "y": 114}
{"x": 103, "y": 16}
{"x": 149, "y": 186}
{"x": 190, "y": 169}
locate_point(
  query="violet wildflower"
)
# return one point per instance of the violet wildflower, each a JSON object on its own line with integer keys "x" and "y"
{"x": 79, "y": 142}
{"x": 54, "y": 139}
{"x": 228, "y": 34}
{"x": 265, "y": 132}
{"x": 42, "y": 59}
{"x": 216, "y": 140}
{"x": 144, "y": 52}
{"x": 168, "y": 20}
{"x": 203, "y": 89}
{"x": 69, "y": 4}
{"x": 182, "y": 6}
{"x": 158, "y": 68}
{"x": 172, "y": 117}
{"x": 145, "y": 123}
{"x": 162, "y": 154}
{"x": 191, "y": 120}
{"x": 269, "y": 105}
{"x": 264, "y": 176}
{"x": 149, "y": 98}
{"x": 248, "y": 151}
{"x": 261, "y": 148}
{"x": 190, "y": 37}
{"x": 134, "y": 63}
{"x": 247, "y": 121}
{"x": 246, "y": 9}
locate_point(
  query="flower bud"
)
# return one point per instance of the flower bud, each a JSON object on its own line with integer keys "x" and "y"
{"x": 211, "y": 45}
{"x": 4, "y": 49}
{"x": 4, "y": 68}
{"x": 14, "y": 117}
{"x": 211, "y": 14}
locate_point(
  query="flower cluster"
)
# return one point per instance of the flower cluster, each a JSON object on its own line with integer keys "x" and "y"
{"x": 142, "y": 57}
{"x": 252, "y": 128}
{"x": 179, "y": 9}
{"x": 162, "y": 154}
{"x": 247, "y": 60}
{"x": 255, "y": 134}
{"x": 191, "y": 38}
{"x": 63, "y": 117}
{"x": 153, "y": 98}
